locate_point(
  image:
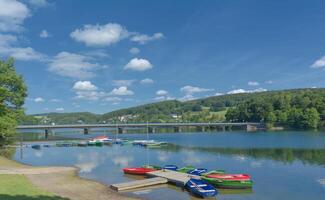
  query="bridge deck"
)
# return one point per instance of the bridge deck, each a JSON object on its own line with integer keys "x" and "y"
{"x": 138, "y": 183}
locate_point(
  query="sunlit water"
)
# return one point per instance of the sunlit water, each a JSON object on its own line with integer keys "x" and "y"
{"x": 284, "y": 165}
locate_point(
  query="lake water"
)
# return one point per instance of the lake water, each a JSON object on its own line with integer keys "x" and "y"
{"x": 283, "y": 165}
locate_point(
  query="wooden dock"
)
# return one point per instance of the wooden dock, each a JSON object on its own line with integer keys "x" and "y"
{"x": 139, "y": 183}
{"x": 157, "y": 177}
{"x": 174, "y": 177}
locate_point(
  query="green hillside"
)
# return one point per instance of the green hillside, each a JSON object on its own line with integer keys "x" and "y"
{"x": 299, "y": 108}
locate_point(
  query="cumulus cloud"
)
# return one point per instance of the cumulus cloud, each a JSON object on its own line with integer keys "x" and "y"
{"x": 238, "y": 91}
{"x": 187, "y": 97}
{"x": 134, "y": 50}
{"x": 218, "y": 94}
{"x": 44, "y": 34}
{"x": 121, "y": 91}
{"x": 73, "y": 65}
{"x": 8, "y": 48}
{"x": 143, "y": 38}
{"x": 162, "y": 93}
{"x": 39, "y": 99}
{"x": 146, "y": 81}
{"x": 191, "y": 89}
{"x": 269, "y": 82}
{"x": 100, "y": 35}
{"x": 12, "y": 15}
{"x": 319, "y": 64}
{"x": 138, "y": 64}
{"x": 253, "y": 83}
{"x": 120, "y": 83}
{"x": 84, "y": 85}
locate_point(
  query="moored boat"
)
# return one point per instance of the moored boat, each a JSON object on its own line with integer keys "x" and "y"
{"x": 36, "y": 146}
{"x": 201, "y": 188}
{"x": 171, "y": 167}
{"x": 185, "y": 169}
{"x": 229, "y": 184}
{"x": 197, "y": 171}
{"x": 218, "y": 171}
{"x": 138, "y": 170}
{"x": 230, "y": 177}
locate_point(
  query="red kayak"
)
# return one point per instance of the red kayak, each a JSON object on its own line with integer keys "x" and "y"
{"x": 138, "y": 170}
{"x": 230, "y": 177}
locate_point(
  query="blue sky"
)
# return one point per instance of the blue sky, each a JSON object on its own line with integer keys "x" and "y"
{"x": 104, "y": 55}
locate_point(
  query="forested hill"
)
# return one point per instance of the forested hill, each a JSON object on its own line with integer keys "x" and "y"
{"x": 299, "y": 108}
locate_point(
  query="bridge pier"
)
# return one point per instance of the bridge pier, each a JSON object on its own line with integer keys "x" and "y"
{"x": 223, "y": 128}
{"x": 46, "y": 133}
{"x": 177, "y": 129}
{"x": 200, "y": 129}
{"x": 121, "y": 130}
{"x": 86, "y": 131}
{"x": 151, "y": 130}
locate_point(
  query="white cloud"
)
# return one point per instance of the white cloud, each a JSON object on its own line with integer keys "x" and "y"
{"x": 44, "y": 34}
{"x": 147, "y": 81}
{"x": 191, "y": 89}
{"x": 218, "y": 94}
{"x": 319, "y": 64}
{"x": 100, "y": 35}
{"x": 113, "y": 99}
{"x": 84, "y": 86}
{"x": 38, "y": 3}
{"x": 59, "y": 109}
{"x": 138, "y": 64}
{"x": 134, "y": 50}
{"x": 98, "y": 53}
{"x": 121, "y": 91}
{"x": 162, "y": 93}
{"x": 73, "y": 65}
{"x": 7, "y": 48}
{"x": 123, "y": 82}
{"x": 55, "y": 100}
{"x": 269, "y": 82}
{"x": 253, "y": 83}
{"x": 187, "y": 97}
{"x": 143, "y": 38}
{"x": 238, "y": 91}
{"x": 39, "y": 99}
{"x": 12, "y": 15}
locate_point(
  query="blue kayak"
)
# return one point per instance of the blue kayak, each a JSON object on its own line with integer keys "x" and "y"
{"x": 197, "y": 171}
{"x": 201, "y": 188}
{"x": 171, "y": 167}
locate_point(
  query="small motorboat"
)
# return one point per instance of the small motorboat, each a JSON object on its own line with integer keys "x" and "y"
{"x": 138, "y": 170}
{"x": 230, "y": 177}
{"x": 102, "y": 138}
{"x": 142, "y": 142}
{"x": 197, "y": 171}
{"x": 201, "y": 188}
{"x": 229, "y": 184}
{"x": 185, "y": 169}
{"x": 171, "y": 167}
{"x": 82, "y": 144}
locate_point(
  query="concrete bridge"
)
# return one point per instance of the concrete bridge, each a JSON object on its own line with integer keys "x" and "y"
{"x": 121, "y": 128}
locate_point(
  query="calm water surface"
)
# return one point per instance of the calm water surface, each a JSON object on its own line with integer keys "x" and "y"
{"x": 284, "y": 165}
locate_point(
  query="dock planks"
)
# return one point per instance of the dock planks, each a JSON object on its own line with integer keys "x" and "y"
{"x": 175, "y": 177}
{"x": 139, "y": 183}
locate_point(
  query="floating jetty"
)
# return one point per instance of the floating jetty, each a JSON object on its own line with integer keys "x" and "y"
{"x": 157, "y": 177}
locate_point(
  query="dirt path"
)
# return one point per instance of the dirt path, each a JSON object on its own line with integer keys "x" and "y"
{"x": 62, "y": 181}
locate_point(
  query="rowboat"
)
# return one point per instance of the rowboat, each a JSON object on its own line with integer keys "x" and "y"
{"x": 230, "y": 177}
{"x": 229, "y": 184}
{"x": 36, "y": 146}
{"x": 142, "y": 142}
{"x": 218, "y": 171}
{"x": 138, "y": 170}
{"x": 82, "y": 144}
{"x": 171, "y": 167}
{"x": 201, "y": 188}
{"x": 152, "y": 167}
{"x": 185, "y": 169}
{"x": 197, "y": 171}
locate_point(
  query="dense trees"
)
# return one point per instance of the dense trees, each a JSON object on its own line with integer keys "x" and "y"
{"x": 12, "y": 96}
{"x": 296, "y": 108}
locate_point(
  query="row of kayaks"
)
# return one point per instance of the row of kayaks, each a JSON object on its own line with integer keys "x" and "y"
{"x": 205, "y": 186}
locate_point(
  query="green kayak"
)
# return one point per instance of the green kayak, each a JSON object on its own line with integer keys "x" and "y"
{"x": 229, "y": 184}
{"x": 152, "y": 167}
{"x": 185, "y": 169}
